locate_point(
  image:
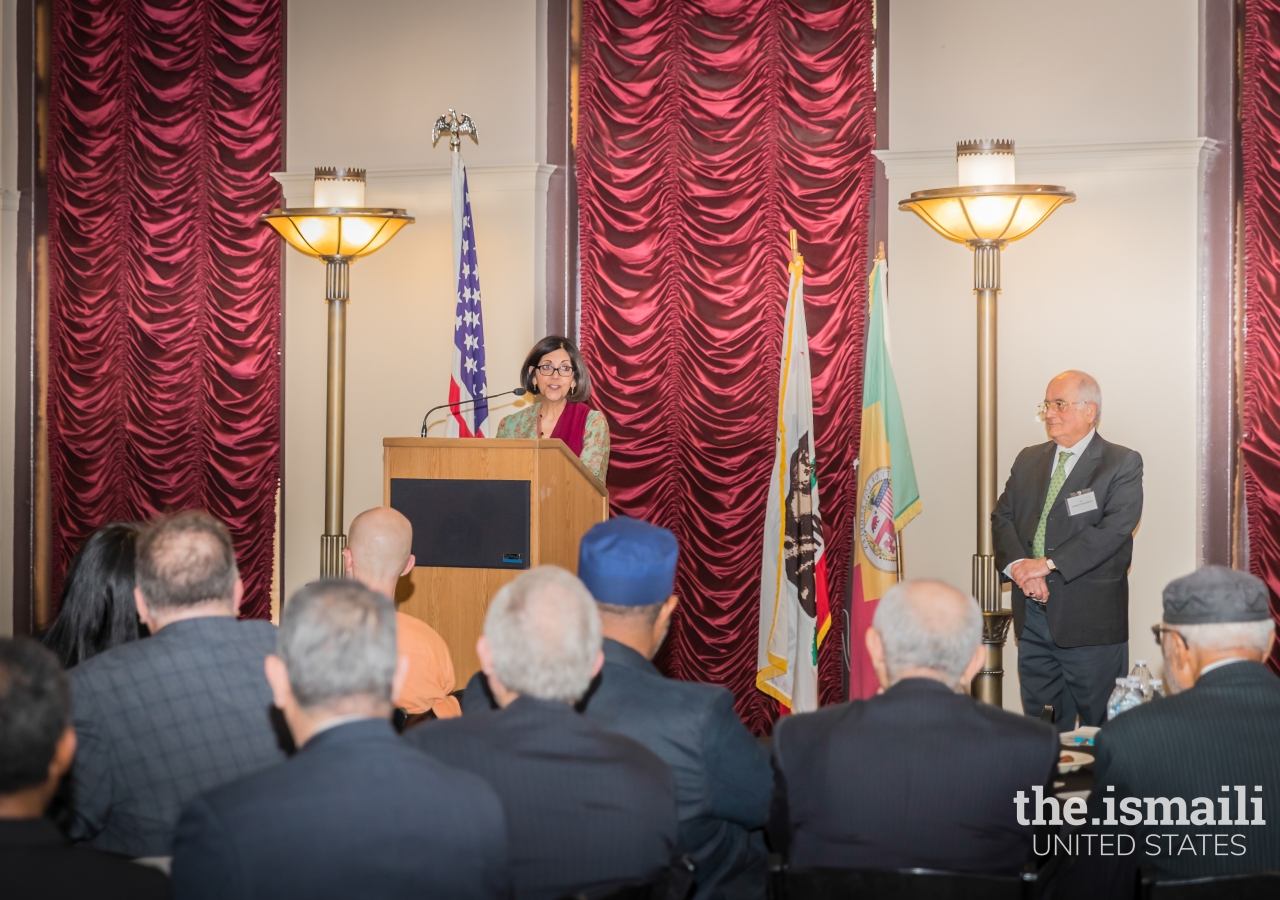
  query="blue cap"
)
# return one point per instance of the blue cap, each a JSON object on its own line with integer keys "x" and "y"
{"x": 626, "y": 562}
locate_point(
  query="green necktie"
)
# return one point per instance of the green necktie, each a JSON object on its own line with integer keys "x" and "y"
{"x": 1055, "y": 485}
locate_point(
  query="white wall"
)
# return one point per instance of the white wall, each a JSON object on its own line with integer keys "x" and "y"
{"x": 364, "y": 90}
{"x": 1102, "y": 98}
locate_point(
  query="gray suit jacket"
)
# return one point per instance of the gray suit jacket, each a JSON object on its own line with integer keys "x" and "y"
{"x": 1089, "y": 594}
{"x": 1223, "y": 731}
{"x": 723, "y": 778}
{"x": 355, "y": 813}
{"x": 906, "y": 779}
{"x": 162, "y": 720}
{"x": 586, "y": 809}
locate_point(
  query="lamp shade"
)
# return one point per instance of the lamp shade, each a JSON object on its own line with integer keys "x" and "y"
{"x": 336, "y": 232}
{"x": 981, "y": 213}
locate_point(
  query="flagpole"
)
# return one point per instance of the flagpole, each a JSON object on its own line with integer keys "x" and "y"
{"x": 456, "y": 125}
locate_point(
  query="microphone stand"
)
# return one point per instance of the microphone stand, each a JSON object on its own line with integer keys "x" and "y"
{"x": 519, "y": 392}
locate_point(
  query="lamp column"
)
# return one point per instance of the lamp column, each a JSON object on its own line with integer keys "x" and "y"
{"x": 337, "y": 230}
{"x": 985, "y": 211}
{"x": 987, "y": 685}
{"x": 337, "y": 281}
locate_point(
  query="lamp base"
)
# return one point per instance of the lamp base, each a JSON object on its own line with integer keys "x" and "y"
{"x": 331, "y": 547}
{"x": 988, "y": 685}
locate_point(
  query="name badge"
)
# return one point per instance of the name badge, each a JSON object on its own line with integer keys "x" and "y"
{"x": 1081, "y": 502}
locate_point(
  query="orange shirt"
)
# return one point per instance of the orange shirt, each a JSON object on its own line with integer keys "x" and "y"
{"x": 430, "y": 677}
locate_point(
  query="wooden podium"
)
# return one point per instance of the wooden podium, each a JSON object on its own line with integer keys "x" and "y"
{"x": 472, "y": 500}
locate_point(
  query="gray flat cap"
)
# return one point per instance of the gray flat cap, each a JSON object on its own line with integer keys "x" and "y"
{"x": 1214, "y": 595}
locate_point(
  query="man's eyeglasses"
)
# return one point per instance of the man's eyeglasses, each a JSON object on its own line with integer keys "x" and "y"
{"x": 548, "y": 370}
{"x": 1160, "y": 630}
{"x": 1058, "y": 406}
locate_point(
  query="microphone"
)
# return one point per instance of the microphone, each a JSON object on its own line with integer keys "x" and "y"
{"x": 519, "y": 392}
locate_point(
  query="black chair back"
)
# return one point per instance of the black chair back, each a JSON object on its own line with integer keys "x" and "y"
{"x": 903, "y": 884}
{"x": 1258, "y": 886}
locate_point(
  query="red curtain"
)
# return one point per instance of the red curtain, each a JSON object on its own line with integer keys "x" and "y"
{"x": 707, "y": 129}
{"x": 164, "y": 305}
{"x": 1260, "y": 443}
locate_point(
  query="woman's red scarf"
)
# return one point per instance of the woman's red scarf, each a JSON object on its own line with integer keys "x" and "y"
{"x": 571, "y": 427}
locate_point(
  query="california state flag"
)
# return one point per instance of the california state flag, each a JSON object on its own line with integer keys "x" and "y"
{"x": 887, "y": 494}
{"x": 795, "y": 613}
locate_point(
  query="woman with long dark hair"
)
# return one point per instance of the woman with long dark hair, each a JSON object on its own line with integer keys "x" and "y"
{"x": 555, "y": 372}
{"x": 97, "y": 611}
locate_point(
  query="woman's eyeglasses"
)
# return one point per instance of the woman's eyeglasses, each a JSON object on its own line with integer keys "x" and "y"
{"x": 548, "y": 370}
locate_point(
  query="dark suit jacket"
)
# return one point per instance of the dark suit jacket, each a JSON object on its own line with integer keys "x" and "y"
{"x": 1223, "y": 731}
{"x": 162, "y": 720}
{"x": 1089, "y": 594}
{"x": 722, "y": 774}
{"x": 37, "y": 863}
{"x": 585, "y": 808}
{"x": 356, "y": 813}
{"x": 918, "y": 776}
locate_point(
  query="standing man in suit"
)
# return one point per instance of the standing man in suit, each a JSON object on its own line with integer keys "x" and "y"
{"x": 357, "y": 812}
{"x": 37, "y": 744}
{"x": 1063, "y": 533}
{"x": 586, "y": 808}
{"x": 1212, "y": 744}
{"x": 379, "y": 551}
{"x": 723, "y": 780}
{"x": 162, "y": 720}
{"x": 906, "y": 779}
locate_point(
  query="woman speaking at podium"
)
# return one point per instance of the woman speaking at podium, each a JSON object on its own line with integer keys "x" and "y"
{"x": 554, "y": 371}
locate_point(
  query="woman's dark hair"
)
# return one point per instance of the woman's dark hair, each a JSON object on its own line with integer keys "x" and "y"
{"x": 550, "y": 344}
{"x": 98, "y": 610}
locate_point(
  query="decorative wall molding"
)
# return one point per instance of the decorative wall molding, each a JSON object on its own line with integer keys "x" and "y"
{"x": 482, "y": 179}
{"x": 9, "y": 199}
{"x": 934, "y": 165}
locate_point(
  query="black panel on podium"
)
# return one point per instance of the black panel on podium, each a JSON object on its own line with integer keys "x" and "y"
{"x": 465, "y": 524}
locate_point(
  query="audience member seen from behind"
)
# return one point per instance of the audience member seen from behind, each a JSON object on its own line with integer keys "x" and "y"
{"x": 585, "y": 808}
{"x": 722, "y": 775}
{"x": 1214, "y": 736}
{"x": 186, "y": 710}
{"x": 97, "y": 611}
{"x": 356, "y": 813}
{"x": 37, "y": 744}
{"x": 379, "y": 551}
{"x": 919, "y": 789}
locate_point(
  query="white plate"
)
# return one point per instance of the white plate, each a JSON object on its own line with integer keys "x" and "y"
{"x": 1078, "y": 760}
{"x": 1068, "y": 795}
{"x": 1081, "y": 737}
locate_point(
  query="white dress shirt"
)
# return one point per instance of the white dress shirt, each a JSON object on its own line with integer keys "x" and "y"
{"x": 1076, "y": 451}
{"x": 1223, "y": 662}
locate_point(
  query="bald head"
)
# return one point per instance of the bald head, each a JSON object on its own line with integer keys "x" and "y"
{"x": 1082, "y": 387}
{"x": 929, "y": 629}
{"x": 379, "y": 545}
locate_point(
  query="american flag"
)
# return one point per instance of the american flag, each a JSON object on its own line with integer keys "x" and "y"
{"x": 467, "y": 380}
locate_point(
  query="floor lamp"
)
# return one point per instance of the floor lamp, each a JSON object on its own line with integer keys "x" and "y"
{"x": 337, "y": 229}
{"x": 986, "y": 211}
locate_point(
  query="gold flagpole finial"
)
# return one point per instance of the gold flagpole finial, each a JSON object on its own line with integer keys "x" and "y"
{"x": 795, "y": 242}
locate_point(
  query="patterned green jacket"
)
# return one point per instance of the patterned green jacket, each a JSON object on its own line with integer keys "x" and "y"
{"x": 595, "y": 439}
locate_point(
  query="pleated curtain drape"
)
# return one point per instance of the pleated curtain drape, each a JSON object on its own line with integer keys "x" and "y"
{"x": 164, "y": 306}
{"x": 1260, "y": 439}
{"x": 706, "y": 131}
